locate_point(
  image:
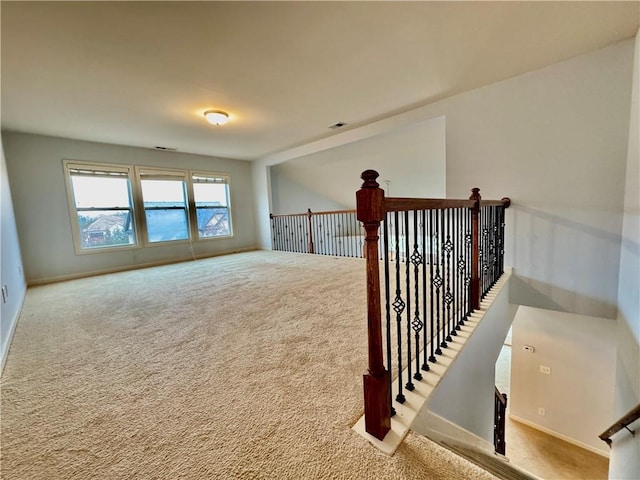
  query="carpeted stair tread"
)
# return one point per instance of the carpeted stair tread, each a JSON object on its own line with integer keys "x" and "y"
{"x": 489, "y": 462}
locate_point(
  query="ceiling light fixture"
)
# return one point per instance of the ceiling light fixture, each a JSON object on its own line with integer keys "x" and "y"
{"x": 216, "y": 117}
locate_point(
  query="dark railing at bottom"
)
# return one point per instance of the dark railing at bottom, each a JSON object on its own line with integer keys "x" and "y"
{"x": 499, "y": 420}
{"x": 624, "y": 422}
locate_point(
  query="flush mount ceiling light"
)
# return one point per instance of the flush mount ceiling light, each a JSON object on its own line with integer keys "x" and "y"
{"x": 216, "y": 117}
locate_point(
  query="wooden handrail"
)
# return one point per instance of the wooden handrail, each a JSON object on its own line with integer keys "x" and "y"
{"x": 326, "y": 212}
{"x": 624, "y": 422}
{"x": 500, "y": 396}
{"x": 403, "y": 204}
{"x": 271, "y": 215}
{"x": 333, "y": 212}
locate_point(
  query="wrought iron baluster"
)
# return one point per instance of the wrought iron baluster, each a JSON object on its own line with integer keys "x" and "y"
{"x": 407, "y": 267}
{"x": 496, "y": 245}
{"x": 461, "y": 266}
{"x": 398, "y": 306}
{"x": 432, "y": 259}
{"x": 416, "y": 324}
{"x": 440, "y": 284}
{"x": 448, "y": 297}
{"x": 348, "y": 238}
{"x": 387, "y": 296}
{"x": 483, "y": 250}
{"x": 502, "y": 223}
{"x": 425, "y": 362}
{"x": 338, "y": 236}
{"x": 454, "y": 275}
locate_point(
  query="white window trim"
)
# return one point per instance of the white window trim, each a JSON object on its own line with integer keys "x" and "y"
{"x": 192, "y": 203}
{"x": 73, "y": 212}
{"x": 135, "y": 174}
{"x": 159, "y": 173}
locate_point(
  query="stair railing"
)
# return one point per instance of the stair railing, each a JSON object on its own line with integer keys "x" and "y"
{"x": 499, "y": 421}
{"x": 440, "y": 258}
{"x": 624, "y": 422}
{"x": 337, "y": 233}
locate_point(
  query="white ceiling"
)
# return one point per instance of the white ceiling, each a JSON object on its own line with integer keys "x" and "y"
{"x": 143, "y": 73}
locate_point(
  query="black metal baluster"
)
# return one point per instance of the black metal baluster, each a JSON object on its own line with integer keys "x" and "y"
{"x": 398, "y": 306}
{"x": 339, "y": 233}
{"x": 496, "y": 245}
{"x": 460, "y": 241}
{"x": 332, "y": 239}
{"x": 483, "y": 250}
{"x": 349, "y": 236}
{"x": 439, "y": 283}
{"x": 447, "y": 296}
{"x": 454, "y": 275}
{"x": 407, "y": 268}
{"x": 387, "y": 296}
{"x": 425, "y": 361}
{"x": 416, "y": 324}
{"x": 502, "y": 224}
{"x": 467, "y": 279}
{"x": 432, "y": 259}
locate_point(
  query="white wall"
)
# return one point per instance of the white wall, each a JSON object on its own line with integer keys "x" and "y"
{"x": 261, "y": 175}
{"x": 577, "y": 395}
{"x": 411, "y": 158}
{"x": 625, "y": 454}
{"x": 34, "y": 164}
{"x": 555, "y": 141}
{"x": 288, "y": 196}
{"x": 11, "y": 270}
{"x": 465, "y": 395}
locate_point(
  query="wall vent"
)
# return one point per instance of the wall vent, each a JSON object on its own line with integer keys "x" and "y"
{"x": 337, "y": 125}
{"x": 166, "y": 149}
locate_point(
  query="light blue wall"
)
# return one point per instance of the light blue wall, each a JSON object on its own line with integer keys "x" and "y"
{"x": 34, "y": 164}
{"x": 625, "y": 454}
{"x": 11, "y": 274}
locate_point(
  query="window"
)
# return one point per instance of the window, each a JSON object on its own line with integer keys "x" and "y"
{"x": 178, "y": 205}
{"x": 101, "y": 204}
{"x": 211, "y": 196}
{"x": 164, "y": 198}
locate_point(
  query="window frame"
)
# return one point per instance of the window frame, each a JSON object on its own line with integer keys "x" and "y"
{"x": 191, "y": 186}
{"x": 158, "y": 173}
{"x": 127, "y": 170}
{"x": 134, "y": 175}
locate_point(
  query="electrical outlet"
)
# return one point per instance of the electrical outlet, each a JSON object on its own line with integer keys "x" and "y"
{"x": 544, "y": 369}
{"x": 541, "y": 412}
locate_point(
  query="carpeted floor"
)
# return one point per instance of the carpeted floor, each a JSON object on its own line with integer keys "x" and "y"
{"x": 244, "y": 366}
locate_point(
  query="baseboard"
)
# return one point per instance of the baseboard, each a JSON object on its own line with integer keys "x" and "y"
{"x": 12, "y": 330}
{"x": 124, "y": 268}
{"x": 559, "y": 435}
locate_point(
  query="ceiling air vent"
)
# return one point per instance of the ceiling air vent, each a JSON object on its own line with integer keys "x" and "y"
{"x": 337, "y": 125}
{"x": 166, "y": 149}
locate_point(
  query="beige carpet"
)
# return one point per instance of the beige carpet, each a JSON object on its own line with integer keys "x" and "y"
{"x": 244, "y": 366}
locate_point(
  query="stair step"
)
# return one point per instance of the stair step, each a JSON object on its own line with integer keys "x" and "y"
{"x": 494, "y": 464}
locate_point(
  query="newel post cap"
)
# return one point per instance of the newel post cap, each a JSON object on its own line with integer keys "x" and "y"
{"x": 370, "y": 198}
{"x": 369, "y": 177}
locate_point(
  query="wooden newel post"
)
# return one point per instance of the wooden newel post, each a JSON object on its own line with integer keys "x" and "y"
{"x": 310, "y": 230}
{"x": 377, "y": 385}
{"x": 475, "y": 249}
